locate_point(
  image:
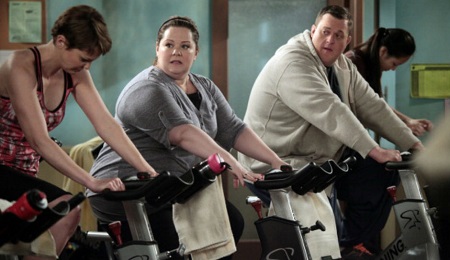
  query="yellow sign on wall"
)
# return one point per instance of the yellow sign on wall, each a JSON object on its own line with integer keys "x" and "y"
{"x": 430, "y": 80}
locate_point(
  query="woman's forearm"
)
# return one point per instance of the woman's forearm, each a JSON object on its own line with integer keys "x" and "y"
{"x": 251, "y": 145}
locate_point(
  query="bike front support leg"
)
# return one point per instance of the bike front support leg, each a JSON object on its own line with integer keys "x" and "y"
{"x": 283, "y": 209}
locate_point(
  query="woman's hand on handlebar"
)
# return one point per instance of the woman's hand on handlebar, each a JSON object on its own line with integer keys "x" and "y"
{"x": 419, "y": 126}
{"x": 241, "y": 175}
{"x": 279, "y": 163}
{"x": 113, "y": 184}
{"x": 153, "y": 173}
{"x": 384, "y": 155}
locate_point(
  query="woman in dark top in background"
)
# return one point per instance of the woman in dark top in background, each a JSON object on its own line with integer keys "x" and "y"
{"x": 385, "y": 50}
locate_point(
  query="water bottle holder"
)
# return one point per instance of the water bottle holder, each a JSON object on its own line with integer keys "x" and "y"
{"x": 201, "y": 181}
{"x": 49, "y": 217}
{"x": 44, "y": 221}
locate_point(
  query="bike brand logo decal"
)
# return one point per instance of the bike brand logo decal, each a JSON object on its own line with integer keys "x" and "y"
{"x": 281, "y": 253}
{"x": 412, "y": 219}
{"x": 394, "y": 251}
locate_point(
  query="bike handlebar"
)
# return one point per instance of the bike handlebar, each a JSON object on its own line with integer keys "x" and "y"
{"x": 136, "y": 189}
{"x": 275, "y": 179}
{"x": 405, "y": 163}
{"x": 168, "y": 188}
{"x": 311, "y": 177}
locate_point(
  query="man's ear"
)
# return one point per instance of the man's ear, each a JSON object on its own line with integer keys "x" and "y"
{"x": 313, "y": 28}
{"x": 349, "y": 39}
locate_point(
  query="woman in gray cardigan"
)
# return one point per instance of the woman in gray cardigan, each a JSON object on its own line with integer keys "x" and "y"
{"x": 177, "y": 119}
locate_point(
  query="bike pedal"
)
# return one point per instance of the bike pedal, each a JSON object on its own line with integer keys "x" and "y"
{"x": 176, "y": 253}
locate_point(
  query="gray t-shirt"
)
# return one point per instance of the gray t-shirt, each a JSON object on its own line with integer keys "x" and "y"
{"x": 150, "y": 105}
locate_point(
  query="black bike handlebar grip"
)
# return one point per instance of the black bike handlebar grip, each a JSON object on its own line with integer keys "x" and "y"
{"x": 286, "y": 168}
{"x": 278, "y": 175}
{"x": 405, "y": 163}
{"x": 134, "y": 189}
{"x": 402, "y": 165}
{"x": 76, "y": 200}
{"x": 295, "y": 177}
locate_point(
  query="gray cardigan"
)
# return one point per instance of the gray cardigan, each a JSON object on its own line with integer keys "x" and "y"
{"x": 150, "y": 106}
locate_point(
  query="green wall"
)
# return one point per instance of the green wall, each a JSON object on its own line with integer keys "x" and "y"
{"x": 428, "y": 22}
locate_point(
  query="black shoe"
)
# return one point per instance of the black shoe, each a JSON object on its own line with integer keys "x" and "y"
{"x": 357, "y": 252}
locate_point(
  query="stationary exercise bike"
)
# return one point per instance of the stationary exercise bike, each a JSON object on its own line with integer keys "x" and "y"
{"x": 158, "y": 191}
{"x": 282, "y": 236}
{"x": 417, "y": 238}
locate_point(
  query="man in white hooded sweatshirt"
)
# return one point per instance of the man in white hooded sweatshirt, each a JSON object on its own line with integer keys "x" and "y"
{"x": 310, "y": 104}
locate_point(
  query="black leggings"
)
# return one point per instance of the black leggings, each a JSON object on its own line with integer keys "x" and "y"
{"x": 14, "y": 183}
{"x": 368, "y": 202}
{"x": 164, "y": 230}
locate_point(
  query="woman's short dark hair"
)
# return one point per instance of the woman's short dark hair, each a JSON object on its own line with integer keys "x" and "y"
{"x": 84, "y": 28}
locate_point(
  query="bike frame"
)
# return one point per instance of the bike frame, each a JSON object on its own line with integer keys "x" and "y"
{"x": 282, "y": 236}
{"x": 417, "y": 239}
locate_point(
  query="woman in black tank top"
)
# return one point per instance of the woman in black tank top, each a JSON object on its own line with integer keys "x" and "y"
{"x": 34, "y": 86}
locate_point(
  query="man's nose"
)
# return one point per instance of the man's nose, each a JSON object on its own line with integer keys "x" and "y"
{"x": 331, "y": 38}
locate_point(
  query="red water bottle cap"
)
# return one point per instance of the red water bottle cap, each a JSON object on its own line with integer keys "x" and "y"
{"x": 216, "y": 163}
{"x": 392, "y": 190}
{"x": 29, "y": 205}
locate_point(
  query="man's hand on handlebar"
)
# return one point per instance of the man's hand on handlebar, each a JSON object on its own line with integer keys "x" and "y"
{"x": 383, "y": 155}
